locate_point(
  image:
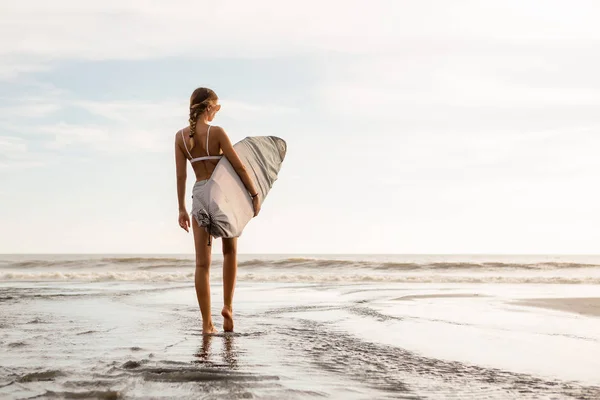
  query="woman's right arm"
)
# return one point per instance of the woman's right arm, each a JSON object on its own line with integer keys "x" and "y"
{"x": 238, "y": 166}
{"x": 181, "y": 172}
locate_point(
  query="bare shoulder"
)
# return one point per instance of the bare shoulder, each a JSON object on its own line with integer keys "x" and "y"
{"x": 220, "y": 134}
{"x": 218, "y": 130}
{"x": 178, "y": 134}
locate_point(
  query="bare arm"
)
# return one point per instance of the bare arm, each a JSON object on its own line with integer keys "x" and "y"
{"x": 181, "y": 170}
{"x": 234, "y": 159}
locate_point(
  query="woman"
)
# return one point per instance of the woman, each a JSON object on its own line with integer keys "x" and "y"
{"x": 204, "y": 145}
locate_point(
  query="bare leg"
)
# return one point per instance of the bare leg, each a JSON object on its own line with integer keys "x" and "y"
{"x": 229, "y": 277}
{"x": 202, "y": 276}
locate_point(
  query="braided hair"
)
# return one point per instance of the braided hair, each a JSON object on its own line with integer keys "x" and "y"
{"x": 200, "y": 100}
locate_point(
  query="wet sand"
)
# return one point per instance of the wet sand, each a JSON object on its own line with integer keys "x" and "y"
{"x": 440, "y": 296}
{"x": 129, "y": 327}
{"x": 293, "y": 341}
{"x": 589, "y": 306}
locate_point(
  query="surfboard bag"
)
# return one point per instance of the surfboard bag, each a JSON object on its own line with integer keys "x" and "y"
{"x": 222, "y": 205}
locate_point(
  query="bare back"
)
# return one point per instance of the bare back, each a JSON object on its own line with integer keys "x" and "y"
{"x": 209, "y": 149}
{"x": 211, "y": 143}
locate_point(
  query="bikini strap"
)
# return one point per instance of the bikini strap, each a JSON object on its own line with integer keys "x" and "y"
{"x": 207, "y": 134}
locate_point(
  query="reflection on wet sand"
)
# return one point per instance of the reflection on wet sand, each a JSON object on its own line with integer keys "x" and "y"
{"x": 204, "y": 353}
{"x": 229, "y": 351}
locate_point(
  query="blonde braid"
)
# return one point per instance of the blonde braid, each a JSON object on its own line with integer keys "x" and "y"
{"x": 197, "y": 108}
{"x": 193, "y": 120}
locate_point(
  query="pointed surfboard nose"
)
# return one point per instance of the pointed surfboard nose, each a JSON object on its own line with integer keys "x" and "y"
{"x": 281, "y": 146}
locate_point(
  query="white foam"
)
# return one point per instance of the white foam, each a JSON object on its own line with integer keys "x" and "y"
{"x": 137, "y": 276}
{"x": 275, "y": 276}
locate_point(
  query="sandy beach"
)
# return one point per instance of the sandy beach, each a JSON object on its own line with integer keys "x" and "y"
{"x": 107, "y": 338}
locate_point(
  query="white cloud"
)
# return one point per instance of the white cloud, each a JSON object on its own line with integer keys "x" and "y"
{"x": 170, "y": 110}
{"x": 114, "y": 139}
{"x": 143, "y": 125}
{"x": 471, "y": 126}
{"x": 133, "y": 29}
{"x": 12, "y": 66}
{"x": 67, "y": 134}
{"x": 12, "y": 165}
{"x": 384, "y": 87}
{"x": 134, "y": 112}
{"x": 148, "y": 126}
{"x": 38, "y": 100}
{"x": 29, "y": 109}
{"x": 243, "y": 110}
{"x": 15, "y": 154}
{"x": 12, "y": 145}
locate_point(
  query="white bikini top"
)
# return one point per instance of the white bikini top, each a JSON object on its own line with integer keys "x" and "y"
{"x": 208, "y": 157}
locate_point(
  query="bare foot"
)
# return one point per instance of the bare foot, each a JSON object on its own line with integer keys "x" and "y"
{"x": 227, "y": 313}
{"x": 209, "y": 330}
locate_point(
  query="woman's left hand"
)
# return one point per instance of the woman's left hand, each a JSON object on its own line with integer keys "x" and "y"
{"x": 184, "y": 220}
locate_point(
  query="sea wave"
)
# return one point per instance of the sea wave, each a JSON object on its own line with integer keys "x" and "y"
{"x": 105, "y": 262}
{"x": 150, "y": 263}
{"x": 146, "y": 276}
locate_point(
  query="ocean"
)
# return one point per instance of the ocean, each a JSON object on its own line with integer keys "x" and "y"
{"x": 307, "y": 326}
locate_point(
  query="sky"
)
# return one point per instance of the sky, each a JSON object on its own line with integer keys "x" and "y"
{"x": 426, "y": 126}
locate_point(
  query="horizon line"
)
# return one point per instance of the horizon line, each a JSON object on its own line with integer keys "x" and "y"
{"x": 313, "y": 254}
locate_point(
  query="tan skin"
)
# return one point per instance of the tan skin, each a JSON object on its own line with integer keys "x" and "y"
{"x": 219, "y": 143}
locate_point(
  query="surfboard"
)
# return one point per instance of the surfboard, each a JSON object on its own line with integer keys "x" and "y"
{"x": 222, "y": 205}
